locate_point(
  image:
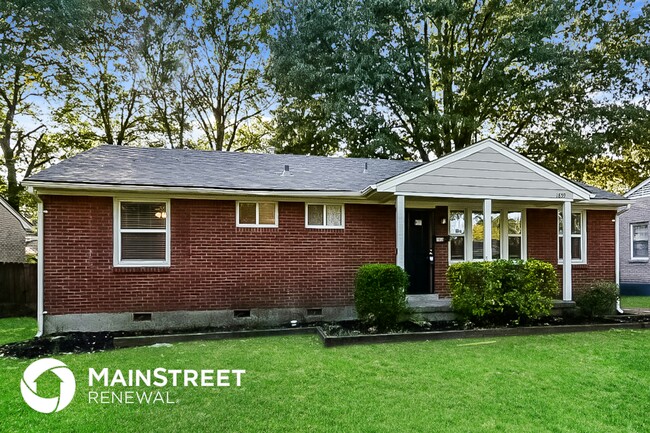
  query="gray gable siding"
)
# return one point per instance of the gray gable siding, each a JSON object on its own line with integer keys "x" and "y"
{"x": 487, "y": 172}
{"x": 12, "y": 238}
{"x": 633, "y": 272}
{"x": 644, "y": 191}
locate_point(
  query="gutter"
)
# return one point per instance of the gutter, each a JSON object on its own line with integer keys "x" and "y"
{"x": 617, "y": 265}
{"x": 40, "y": 271}
{"x": 607, "y": 202}
{"x": 91, "y": 187}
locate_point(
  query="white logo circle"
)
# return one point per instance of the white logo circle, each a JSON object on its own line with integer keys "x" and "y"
{"x": 31, "y": 375}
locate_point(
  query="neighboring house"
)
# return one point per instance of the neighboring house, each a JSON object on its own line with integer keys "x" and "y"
{"x": 139, "y": 238}
{"x": 633, "y": 238}
{"x": 15, "y": 231}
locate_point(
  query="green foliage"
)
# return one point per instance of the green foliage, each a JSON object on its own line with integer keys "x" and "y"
{"x": 33, "y": 36}
{"x": 561, "y": 79}
{"x": 502, "y": 291}
{"x": 597, "y": 299}
{"x": 380, "y": 294}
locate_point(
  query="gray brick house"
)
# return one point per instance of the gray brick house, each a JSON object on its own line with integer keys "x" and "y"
{"x": 633, "y": 242}
{"x": 15, "y": 234}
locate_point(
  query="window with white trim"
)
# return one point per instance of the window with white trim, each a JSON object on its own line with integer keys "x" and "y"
{"x": 515, "y": 235}
{"x": 457, "y": 235}
{"x": 578, "y": 237}
{"x": 467, "y": 234}
{"x": 639, "y": 244}
{"x": 257, "y": 214}
{"x": 319, "y": 216}
{"x": 142, "y": 233}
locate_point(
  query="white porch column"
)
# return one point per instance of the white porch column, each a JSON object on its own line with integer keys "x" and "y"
{"x": 566, "y": 253}
{"x": 399, "y": 226}
{"x": 487, "y": 229}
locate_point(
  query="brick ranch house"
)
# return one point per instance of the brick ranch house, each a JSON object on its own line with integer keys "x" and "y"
{"x": 139, "y": 238}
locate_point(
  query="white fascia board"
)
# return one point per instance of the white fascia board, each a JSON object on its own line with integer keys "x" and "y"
{"x": 107, "y": 189}
{"x": 390, "y": 184}
{"x": 636, "y": 188}
{"x": 602, "y": 203}
{"x": 481, "y": 197}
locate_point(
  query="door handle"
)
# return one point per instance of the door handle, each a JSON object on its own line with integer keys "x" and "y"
{"x": 431, "y": 255}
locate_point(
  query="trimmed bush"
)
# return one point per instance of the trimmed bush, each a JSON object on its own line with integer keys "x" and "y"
{"x": 380, "y": 295}
{"x": 502, "y": 291}
{"x": 597, "y": 299}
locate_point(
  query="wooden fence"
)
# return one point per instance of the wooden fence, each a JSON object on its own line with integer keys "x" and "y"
{"x": 18, "y": 287}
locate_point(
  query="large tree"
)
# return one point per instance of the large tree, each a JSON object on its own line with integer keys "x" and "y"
{"x": 228, "y": 93}
{"x": 33, "y": 35}
{"x": 422, "y": 78}
{"x": 105, "y": 80}
{"x": 165, "y": 55}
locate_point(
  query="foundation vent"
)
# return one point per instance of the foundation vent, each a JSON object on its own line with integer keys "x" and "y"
{"x": 314, "y": 311}
{"x": 242, "y": 313}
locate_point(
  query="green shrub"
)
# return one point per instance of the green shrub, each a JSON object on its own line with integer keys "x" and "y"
{"x": 597, "y": 299}
{"x": 380, "y": 295}
{"x": 502, "y": 291}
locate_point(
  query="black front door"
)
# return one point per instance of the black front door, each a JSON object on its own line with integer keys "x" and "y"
{"x": 418, "y": 262}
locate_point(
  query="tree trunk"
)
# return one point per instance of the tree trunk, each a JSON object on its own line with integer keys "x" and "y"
{"x": 13, "y": 188}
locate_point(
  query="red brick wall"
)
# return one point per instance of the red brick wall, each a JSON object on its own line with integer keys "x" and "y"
{"x": 441, "y": 285}
{"x": 601, "y": 244}
{"x": 214, "y": 265}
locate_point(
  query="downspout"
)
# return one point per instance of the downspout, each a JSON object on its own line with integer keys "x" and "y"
{"x": 40, "y": 273}
{"x": 617, "y": 265}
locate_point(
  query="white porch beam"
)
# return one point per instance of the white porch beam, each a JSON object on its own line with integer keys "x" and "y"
{"x": 399, "y": 226}
{"x": 566, "y": 252}
{"x": 487, "y": 229}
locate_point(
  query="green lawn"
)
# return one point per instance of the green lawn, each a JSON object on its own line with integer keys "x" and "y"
{"x": 592, "y": 382}
{"x": 17, "y": 329}
{"x": 635, "y": 301}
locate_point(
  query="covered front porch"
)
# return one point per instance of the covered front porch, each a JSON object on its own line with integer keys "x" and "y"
{"x": 484, "y": 202}
{"x": 432, "y": 233}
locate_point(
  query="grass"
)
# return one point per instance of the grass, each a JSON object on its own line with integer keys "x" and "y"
{"x": 17, "y": 329}
{"x": 557, "y": 383}
{"x": 635, "y": 301}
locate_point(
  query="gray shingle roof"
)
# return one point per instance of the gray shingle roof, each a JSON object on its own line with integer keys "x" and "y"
{"x": 600, "y": 194}
{"x": 125, "y": 166}
{"x": 118, "y": 165}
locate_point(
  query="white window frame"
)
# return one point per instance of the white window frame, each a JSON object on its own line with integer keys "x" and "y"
{"x": 503, "y": 238}
{"x": 325, "y": 225}
{"x": 632, "y": 257}
{"x": 257, "y": 214}
{"x": 456, "y": 235}
{"x": 117, "y": 232}
{"x": 583, "y": 237}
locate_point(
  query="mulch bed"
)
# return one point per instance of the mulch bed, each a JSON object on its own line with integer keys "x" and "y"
{"x": 84, "y": 342}
{"x": 355, "y": 327}
{"x": 73, "y": 342}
